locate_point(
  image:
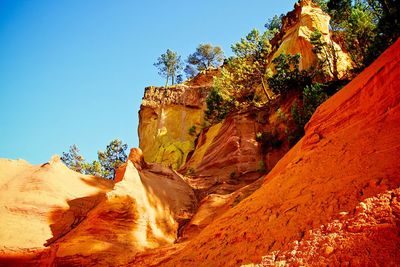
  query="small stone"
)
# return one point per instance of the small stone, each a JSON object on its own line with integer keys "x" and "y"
{"x": 329, "y": 250}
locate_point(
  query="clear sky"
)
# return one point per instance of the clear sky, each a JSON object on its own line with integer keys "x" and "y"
{"x": 73, "y": 71}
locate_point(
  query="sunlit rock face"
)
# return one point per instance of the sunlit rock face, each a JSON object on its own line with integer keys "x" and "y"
{"x": 297, "y": 27}
{"x": 52, "y": 215}
{"x": 228, "y": 155}
{"x": 349, "y": 154}
{"x": 165, "y": 116}
{"x": 33, "y": 197}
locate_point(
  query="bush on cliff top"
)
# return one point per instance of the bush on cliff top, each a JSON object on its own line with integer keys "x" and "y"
{"x": 105, "y": 166}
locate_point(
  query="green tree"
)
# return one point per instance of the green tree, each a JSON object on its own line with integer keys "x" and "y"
{"x": 287, "y": 74}
{"x": 205, "y": 57}
{"x": 323, "y": 4}
{"x": 387, "y": 13}
{"x": 368, "y": 26}
{"x": 106, "y": 164}
{"x": 169, "y": 65}
{"x": 112, "y": 158}
{"x": 313, "y": 96}
{"x": 273, "y": 26}
{"x": 74, "y": 160}
{"x": 361, "y": 32}
{"x": 218, "y": 106}
{"x": 339, "y": 10}
{"x": 327, "y": 56}
{"x": 248, "y": 69}
{"x": 274, "y": 23}
{"x": 94, "y": 168}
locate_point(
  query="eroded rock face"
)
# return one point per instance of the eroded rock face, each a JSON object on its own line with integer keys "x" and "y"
{"x": 165, "y": 116}
{"x": 52, "y": 215}
{"x": 142, "y": 211}
{"x": 297, "y": 27}
{"x": 349, "y": 154}
{"x": 228, "y": 155}
{"x": 367, "y": 236}
{"x": 34, "y": 197}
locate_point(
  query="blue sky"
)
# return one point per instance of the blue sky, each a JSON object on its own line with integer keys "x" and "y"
{"x": 74, "y": 71}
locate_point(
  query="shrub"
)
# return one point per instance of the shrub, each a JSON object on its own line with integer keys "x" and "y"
{"x": 217, "y": 106}
{"x": 190, "y": 172}
{"x": 281, "y": 115}
{"x": 313, "y": 96}
{"x": 192, "y": 130}
{"x": 288, "y": 75}
{"x": 261, "y": 167}
{"x": 268, "y": 140}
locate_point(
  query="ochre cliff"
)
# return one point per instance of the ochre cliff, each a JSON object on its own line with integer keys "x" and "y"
{"x": 297, "y": 27}
{"x": 349, "y": 155}
{"x": 229, "y": 156}
{"x": 167, "y": 114}
{"x": 332, "y": 199}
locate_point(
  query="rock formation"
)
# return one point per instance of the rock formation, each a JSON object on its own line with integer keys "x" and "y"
{"x": 346, "y": 164}
{"x": 72, "y": 219}
{"x": 333, "y": 199}
{"x": 297, "y": 27}
{"x": 43, "y": 202}
{"x": 165, "y": 116}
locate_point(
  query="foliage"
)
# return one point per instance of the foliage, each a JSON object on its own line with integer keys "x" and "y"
{"x": 339, "y": 10}
{"x": 387, "y": 14}
{"x": 248, "y": 69}
{"x": 273, "y": 26}
{"x": 218, "y": 106}
{"x": 261, "y": 167}
{"x": 169, "y": 65}
{"x": 190, "y": 172}
{"x": 323, "y": 4}
{"x": 281, "y": 115}
{"x": 360, "y": 34}
{"x": 94, "y": 168}
{"x": 112, "y": 157}
{"x": 368, "y": 26}
{"x": 73, "y": 160}
{"x": 313, "y": 96}
{"x": 205, "y": 57}
{"x": 268, "y": 140}
{"x": 192, "y": 130}
{"x": 106, "y": 164}
{"x": 327, "y": 56}
{"x": 288, "y": 76}
{"x": 274, "y": 23}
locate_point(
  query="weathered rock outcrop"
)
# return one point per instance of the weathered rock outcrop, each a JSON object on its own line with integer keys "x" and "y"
{"x": 34, "y": 197}
{"x": 349, "y": 154}
{"x": 228, "y": 155}
{"x": 57, "y": 216}
{"x": 297, "y": 27}
{"x": 165, "y": 116}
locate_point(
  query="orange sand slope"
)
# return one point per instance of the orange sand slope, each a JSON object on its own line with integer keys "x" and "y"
{"x": 350, "y": 152}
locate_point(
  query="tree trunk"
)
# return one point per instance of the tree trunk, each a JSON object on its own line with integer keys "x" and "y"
{"x": 166, "y": 83}
{"x": 265, "y": 88}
